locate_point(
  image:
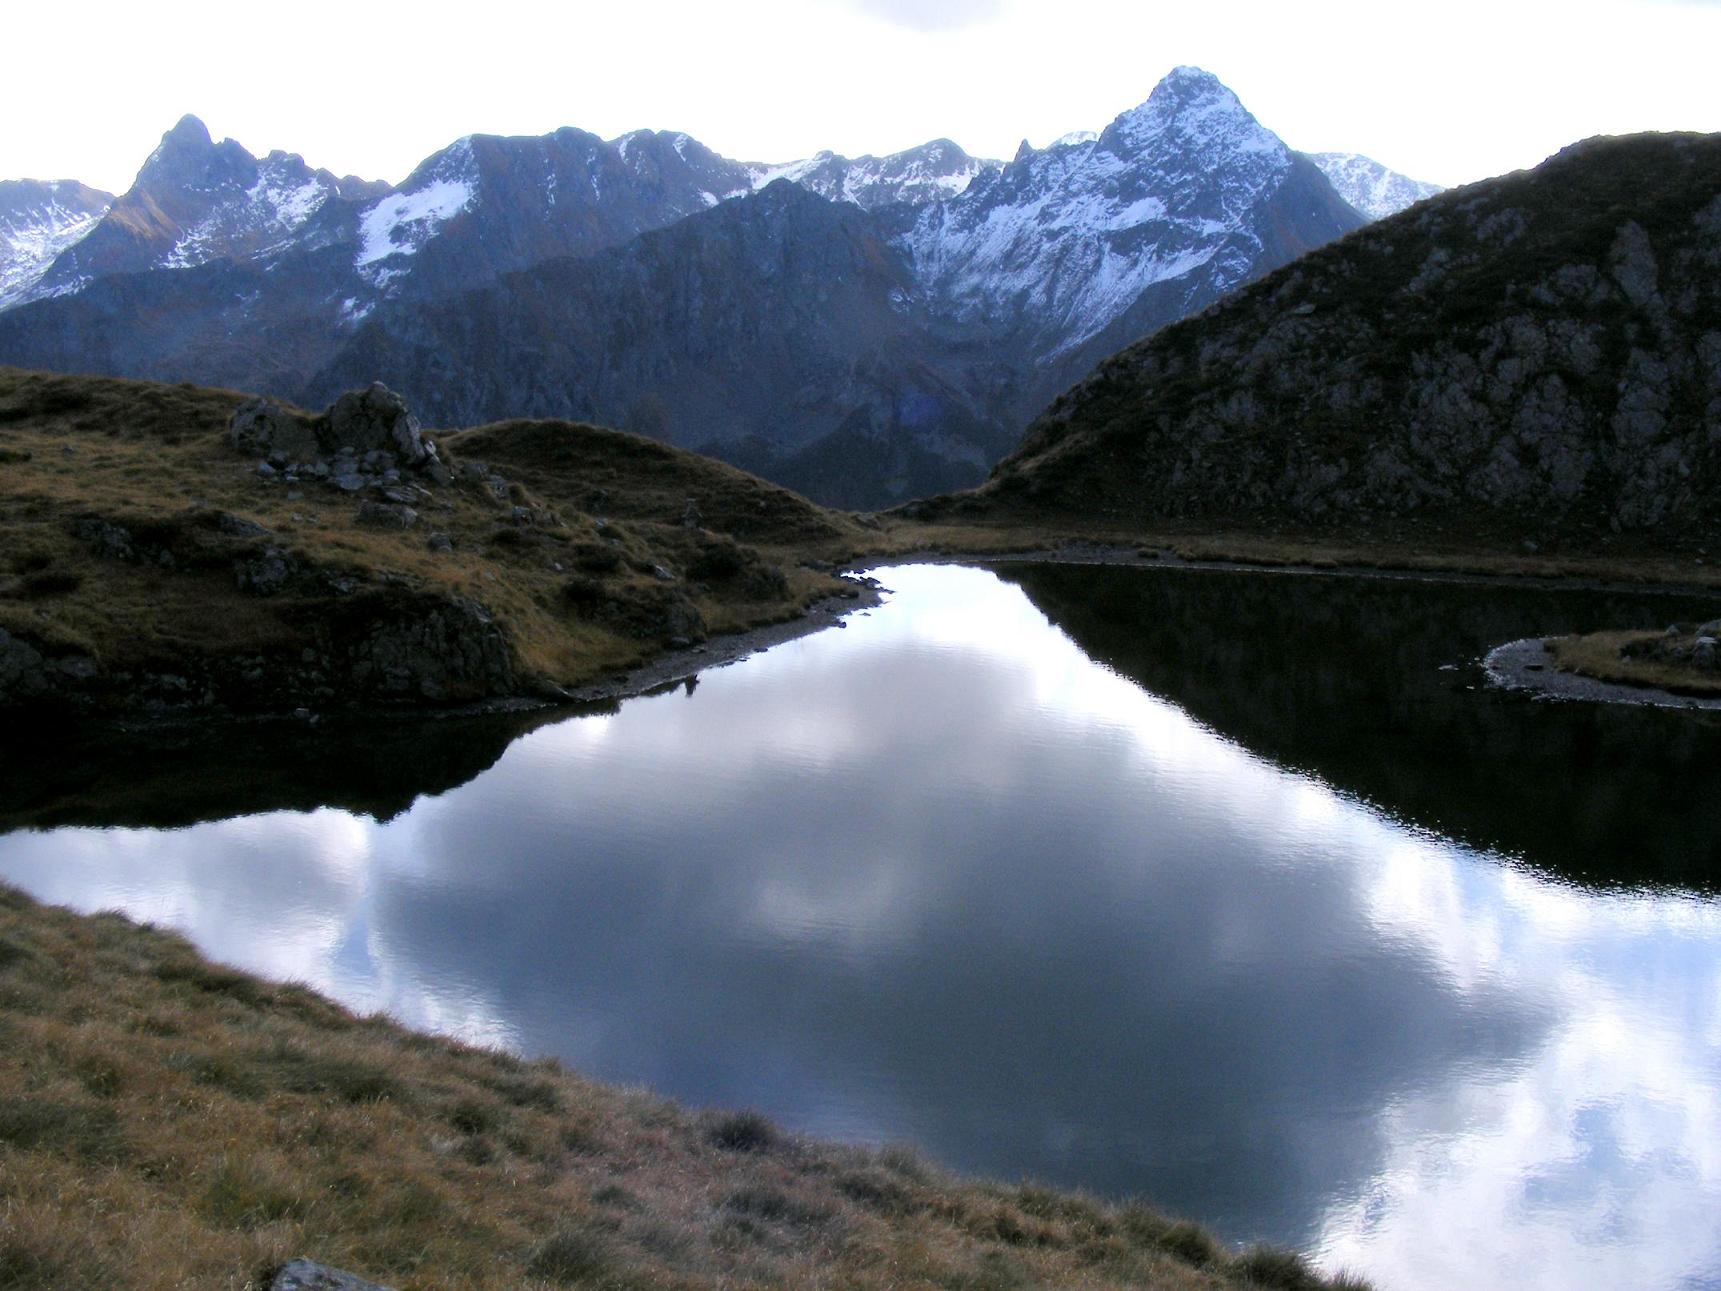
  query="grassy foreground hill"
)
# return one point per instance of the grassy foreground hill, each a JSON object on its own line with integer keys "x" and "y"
{"x": 148, "y": 564}
{"x": 166, "y": 1122}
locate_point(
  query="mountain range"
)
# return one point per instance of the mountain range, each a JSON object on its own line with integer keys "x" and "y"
{"x": 1534, "y": 359}
{"x": 865, "y": 329}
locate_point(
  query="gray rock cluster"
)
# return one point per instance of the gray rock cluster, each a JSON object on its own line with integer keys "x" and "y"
{"x": 1683, "y": 644}
{"x": 367, "y": 439}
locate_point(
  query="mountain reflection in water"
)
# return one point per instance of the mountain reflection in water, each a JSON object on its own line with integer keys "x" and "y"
{"x": 941, "y": 877}
{"x": 1343, "y": 677}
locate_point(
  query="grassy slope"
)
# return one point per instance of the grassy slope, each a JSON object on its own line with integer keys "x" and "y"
{"x": 1602, "y": 655}
{"x": 165, "y": 1122}
{"x": 155, "y": 459}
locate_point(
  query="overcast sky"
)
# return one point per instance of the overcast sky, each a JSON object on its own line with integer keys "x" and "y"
{"x": 1449, "y": 92}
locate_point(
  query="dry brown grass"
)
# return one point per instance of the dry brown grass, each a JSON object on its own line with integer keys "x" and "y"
{"x": 1597, "y": 655}
{"x": 155, "y": 459}
{"x": 166, "y": 1122}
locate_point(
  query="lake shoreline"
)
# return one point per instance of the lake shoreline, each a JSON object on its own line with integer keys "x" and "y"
{"x": 1526, "y": 666}
{"x": 674, "y": 666}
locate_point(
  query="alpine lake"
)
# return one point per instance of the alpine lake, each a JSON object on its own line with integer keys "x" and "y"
{"x": 1241, "y": 892}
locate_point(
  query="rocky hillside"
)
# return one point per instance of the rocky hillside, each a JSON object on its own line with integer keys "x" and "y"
{"x": 169, "y": 550}
{"x": 1535, "y": 358}
{"x": 1001, "y": 284}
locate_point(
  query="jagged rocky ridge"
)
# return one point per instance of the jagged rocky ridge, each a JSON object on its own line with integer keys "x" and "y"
{"x": 644, "y": 282}
{"x": 1536, "y": 356}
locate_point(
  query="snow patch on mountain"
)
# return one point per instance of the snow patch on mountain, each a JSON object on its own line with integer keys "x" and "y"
{"x": 401, "y": 224}
{"x": 265, "y": 216}
{"x": 1369, "y": 186}
{"x": 39, "y": 221}
{"x": 932, "y": 172}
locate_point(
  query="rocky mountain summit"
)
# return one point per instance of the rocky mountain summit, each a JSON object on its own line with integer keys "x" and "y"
{"x": 891, "y": 346}
{"x": 1538, "y": 354}
{"x": 1175, "y": 203}
{"x": 195, "y": 201}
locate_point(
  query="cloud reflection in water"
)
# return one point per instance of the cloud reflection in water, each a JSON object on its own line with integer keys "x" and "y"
{"x": 942, "y": 878}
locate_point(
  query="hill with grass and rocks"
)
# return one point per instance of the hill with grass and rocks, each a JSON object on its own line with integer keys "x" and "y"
{"x": 1531, "y": 360}
{"x": 631, "y": 276}
{"x": 175, "y": 551}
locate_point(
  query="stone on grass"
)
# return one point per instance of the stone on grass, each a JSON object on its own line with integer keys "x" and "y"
{"x": 386, "y": 515}
{"x": 307, "y": 1275}
{"x": 375, "y": 420}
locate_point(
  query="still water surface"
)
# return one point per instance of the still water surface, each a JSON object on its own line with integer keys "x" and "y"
{"x": 1238, "y": 892}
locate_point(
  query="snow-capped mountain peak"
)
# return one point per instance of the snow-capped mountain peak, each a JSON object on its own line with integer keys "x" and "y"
{"x": 38, "y": 221}
{"x": 1190, "y": 118}
{"x": 927, "y": 173}
{"x": 1067, "y": 238}
{"x": 1074, "y": 139}
{"x": 1369, "y": 186}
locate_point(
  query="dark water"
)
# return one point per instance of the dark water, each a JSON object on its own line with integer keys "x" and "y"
{"x": 1210, "y": 887}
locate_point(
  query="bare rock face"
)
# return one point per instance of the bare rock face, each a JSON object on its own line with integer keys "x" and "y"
{"x": 446, "y": 650}
{"x": 262, "y": 428}
{"x": 374, "y": 420}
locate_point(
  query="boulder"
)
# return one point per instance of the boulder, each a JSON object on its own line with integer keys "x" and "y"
{"x": 266, "y": 573}
{"x": 375, "y": 420}
{"x": 23, "y": 671}
{"x": 386, "y": 515}
{"x": 262, "y": 428}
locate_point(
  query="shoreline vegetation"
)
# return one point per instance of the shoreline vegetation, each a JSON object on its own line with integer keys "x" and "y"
{"x": 166, "y": 1121}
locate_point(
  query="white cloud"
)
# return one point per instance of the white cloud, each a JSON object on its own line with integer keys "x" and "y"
{"x": 932, "y": 15}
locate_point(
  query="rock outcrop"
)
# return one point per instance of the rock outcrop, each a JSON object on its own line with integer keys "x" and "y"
{"x": 360, "y": 424}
